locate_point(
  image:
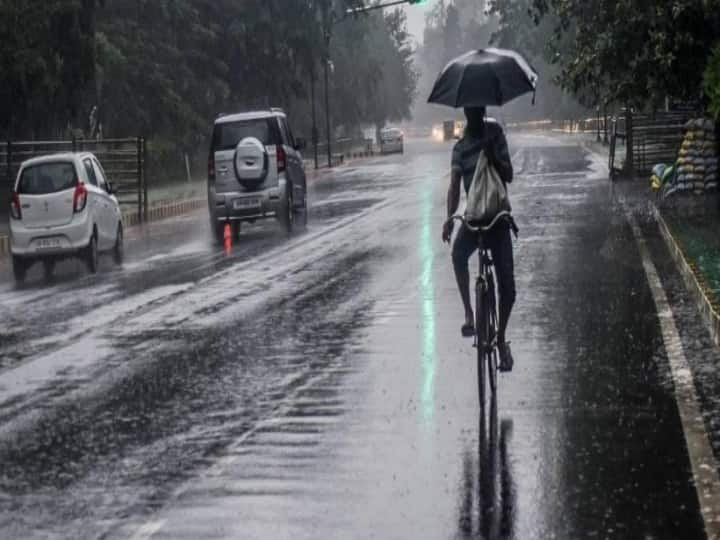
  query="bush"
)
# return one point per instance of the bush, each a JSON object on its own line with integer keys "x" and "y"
{"x": 711, "y": 82}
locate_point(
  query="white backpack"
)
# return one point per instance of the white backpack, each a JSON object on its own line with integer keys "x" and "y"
{"x": 487, "y": 198}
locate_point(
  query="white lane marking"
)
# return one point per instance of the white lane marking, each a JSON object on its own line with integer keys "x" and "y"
{"x": 702, "y": 460}
{"x": 148, "y": 530}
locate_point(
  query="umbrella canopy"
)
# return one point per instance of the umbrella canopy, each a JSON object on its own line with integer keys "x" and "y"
{"x": 484, "y": 77}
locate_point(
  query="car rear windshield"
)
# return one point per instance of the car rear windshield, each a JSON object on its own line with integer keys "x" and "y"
{"x": 227, "y": 135}
{"x": 47, "y": 178}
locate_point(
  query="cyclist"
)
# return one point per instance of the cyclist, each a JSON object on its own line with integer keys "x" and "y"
{"x": 481, "y": 134}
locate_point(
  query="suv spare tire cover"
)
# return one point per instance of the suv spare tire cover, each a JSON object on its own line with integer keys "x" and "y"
{"x": 251, "y": 162}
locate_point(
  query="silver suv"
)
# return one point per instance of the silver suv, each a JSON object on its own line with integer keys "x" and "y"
{"x": 255, "y": 171}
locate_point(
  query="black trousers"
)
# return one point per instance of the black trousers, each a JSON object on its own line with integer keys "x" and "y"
{"x": 499, "y": 242}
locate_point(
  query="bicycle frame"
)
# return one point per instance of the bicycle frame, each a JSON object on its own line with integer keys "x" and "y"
{"x": 485, "y": 322}
{"x": 486, "y": 316}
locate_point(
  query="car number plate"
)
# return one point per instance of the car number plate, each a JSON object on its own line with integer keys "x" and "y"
{"x": 48, "y": 243}
{"x": 239, "y": 204}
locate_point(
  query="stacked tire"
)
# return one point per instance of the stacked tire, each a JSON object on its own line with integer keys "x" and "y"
{"x": 698, "y": 158}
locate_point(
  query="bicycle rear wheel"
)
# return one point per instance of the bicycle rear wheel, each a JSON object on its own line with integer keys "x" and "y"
{"x": 481, "y": 338}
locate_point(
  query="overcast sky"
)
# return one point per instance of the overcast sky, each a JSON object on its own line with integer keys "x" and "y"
{"x": 416, "y": 18}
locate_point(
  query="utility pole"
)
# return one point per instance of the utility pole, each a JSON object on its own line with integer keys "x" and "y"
{"x": 329, "y": 19}
{"x": 327, "y": 97}
{"x": 315, "y": 137}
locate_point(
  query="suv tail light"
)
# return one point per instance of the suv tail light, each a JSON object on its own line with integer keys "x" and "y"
{"x": 80, "y": 198}
{"x": 281, "y": 159}
{"x": 15, "y": 210}
{"x": 211, "y": 167}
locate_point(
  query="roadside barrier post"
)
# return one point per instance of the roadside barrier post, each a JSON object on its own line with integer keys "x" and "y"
{"x": 144, "y": 178}
{"x": 138, "y": 149}
{"x": 629, "y": 154}
{"x": 8, "y": 157}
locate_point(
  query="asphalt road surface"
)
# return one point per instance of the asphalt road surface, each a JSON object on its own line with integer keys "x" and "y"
{"x": 317, "y": 386}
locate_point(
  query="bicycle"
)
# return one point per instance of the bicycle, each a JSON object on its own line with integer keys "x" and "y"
{"x": 486, "y": 313}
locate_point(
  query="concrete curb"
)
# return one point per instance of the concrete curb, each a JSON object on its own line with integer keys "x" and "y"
{"x": 131, "y": 219}
{"x": 157, "y": 213}
{"x": 694, "y": 282}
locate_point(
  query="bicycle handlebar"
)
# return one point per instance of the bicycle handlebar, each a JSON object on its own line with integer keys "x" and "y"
{"x": 479, "y": 228}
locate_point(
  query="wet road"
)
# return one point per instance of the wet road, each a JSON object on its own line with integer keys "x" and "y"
{"x": 318, "y": 387}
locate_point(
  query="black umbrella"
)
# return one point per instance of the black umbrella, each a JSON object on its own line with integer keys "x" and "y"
{"x": 484, "y": 77}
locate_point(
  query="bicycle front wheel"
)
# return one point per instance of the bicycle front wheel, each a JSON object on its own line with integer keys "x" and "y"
{"x": 492, "y": 328}
{"x": 481, "y": 338}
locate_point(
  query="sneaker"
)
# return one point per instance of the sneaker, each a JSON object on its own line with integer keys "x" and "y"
{"x": 467, "y": 330}
{"x": 506, "y": 359}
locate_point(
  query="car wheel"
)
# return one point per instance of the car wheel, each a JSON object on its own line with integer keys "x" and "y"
{"x": 287, "y": 213}
{"x": 119, "y": 249}
{"x": 20, "y": 267}
{"x": 48, "y": 268}
{"x": 91, "y": 254}
{"x": 302, "y": 213}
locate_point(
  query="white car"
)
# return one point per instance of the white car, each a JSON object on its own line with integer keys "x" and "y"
{"x": 391, "y": 140}
{"x": 63, "y": 206}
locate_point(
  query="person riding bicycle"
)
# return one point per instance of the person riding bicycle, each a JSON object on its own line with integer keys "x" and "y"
{"x": 481, "y": 134}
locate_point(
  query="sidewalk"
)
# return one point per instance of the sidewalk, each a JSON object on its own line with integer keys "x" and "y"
{"x": 690, "y": 227}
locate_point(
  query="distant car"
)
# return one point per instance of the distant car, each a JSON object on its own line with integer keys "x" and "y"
{"x": 255, "y": 171}
{"x": 391, "y": 140}
{"x": 63, "y": 206}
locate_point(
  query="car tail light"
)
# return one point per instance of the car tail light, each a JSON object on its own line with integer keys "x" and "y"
{"x": 281, "y": 159}
{"x": 80, "y": 197}
{"x": 211, "y": 168}
{"x": 15, "y": 210}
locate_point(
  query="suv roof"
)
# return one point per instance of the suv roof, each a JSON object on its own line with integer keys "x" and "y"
{"x": 250, "y": 115}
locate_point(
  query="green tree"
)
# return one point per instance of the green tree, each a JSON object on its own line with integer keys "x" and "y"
{"x": 46, "y": 65}
{"x": 625, "y": 51}
{"x": 711, "y": 83}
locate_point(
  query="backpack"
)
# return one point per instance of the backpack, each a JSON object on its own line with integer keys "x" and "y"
{"x": 487, "y": 198}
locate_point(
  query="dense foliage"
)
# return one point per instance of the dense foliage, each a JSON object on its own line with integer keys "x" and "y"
{"x": 711, "y": 83}
{"x": 46, "y": 62}
{"x": 165, "y": 68}
{"x": 618, "y": 51}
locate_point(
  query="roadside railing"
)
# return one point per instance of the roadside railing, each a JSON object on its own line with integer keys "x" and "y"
{"x": 342, "y": 148}
{"x": 647, "y": 139}
{"x": 124, "y": 162}
{"x": 571, "y": 125}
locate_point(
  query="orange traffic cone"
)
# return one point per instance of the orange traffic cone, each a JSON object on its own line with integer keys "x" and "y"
{"x": 227, "y": 236}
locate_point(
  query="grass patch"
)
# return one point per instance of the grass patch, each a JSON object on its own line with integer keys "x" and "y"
{"x": 699, "y": 240}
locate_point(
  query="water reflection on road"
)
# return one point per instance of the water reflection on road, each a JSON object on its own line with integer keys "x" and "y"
{"x": 487, "y": 494}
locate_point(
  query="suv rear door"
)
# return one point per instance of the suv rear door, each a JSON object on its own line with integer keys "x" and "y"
{"x": 226, "y": 136}
{"x": 46, "y": 193}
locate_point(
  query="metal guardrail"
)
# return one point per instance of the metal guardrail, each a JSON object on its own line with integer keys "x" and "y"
{"x": 124, "y": 162}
